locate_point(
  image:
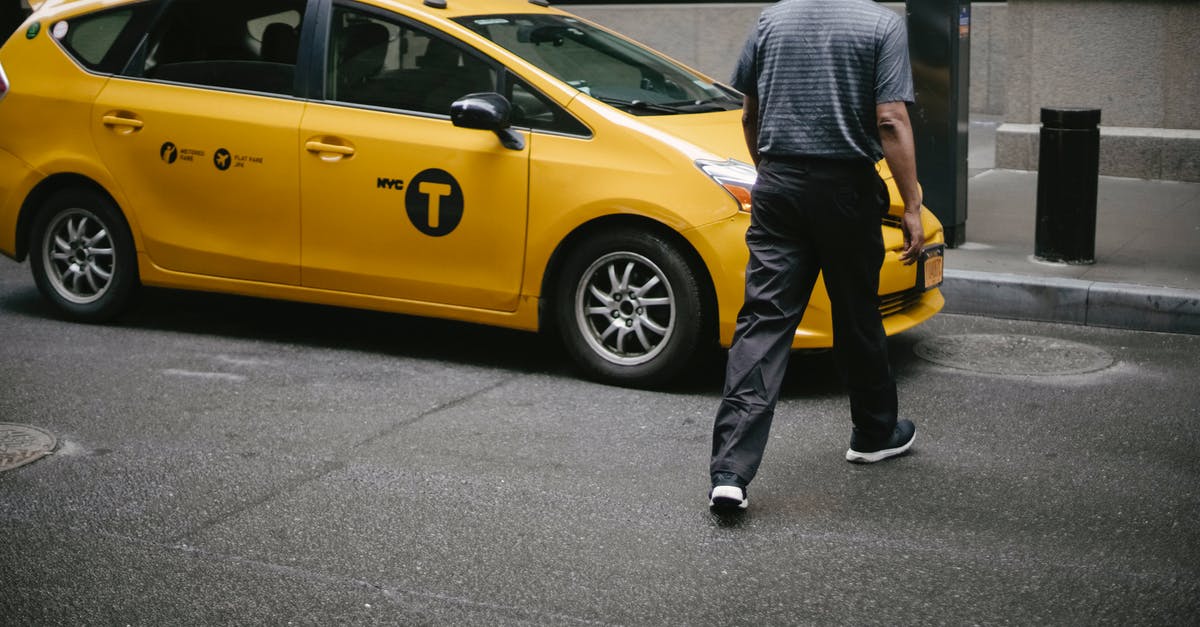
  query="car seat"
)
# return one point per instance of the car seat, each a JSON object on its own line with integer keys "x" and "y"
{"x": 364, "y": 48}
{"x": 446, "y": 75}
{"x": 280, "y": 43}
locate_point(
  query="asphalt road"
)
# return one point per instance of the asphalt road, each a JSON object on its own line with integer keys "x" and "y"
{"x": 234, "y": 461}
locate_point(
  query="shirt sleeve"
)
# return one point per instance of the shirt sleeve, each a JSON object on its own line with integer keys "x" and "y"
{"x": 745, "y": 74}
{"x": 893, "y": 70}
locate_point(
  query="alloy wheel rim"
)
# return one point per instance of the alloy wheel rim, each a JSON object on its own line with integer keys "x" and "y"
{"x": 79, "y": 256}
{"x": 625, "y": 307}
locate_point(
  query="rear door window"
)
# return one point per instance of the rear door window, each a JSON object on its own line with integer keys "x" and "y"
{"x": 229, "y": 44}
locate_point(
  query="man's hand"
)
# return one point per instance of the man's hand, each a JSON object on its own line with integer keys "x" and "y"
{"x": 914, "y": 237}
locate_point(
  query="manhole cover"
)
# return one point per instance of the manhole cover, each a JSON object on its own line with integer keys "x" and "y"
{"x": 21, "y": 444}
{"x": 1013, "y": 354}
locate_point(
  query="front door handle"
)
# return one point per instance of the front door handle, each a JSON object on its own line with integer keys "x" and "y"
{"x": 122, "y": 122}
{"x": 328, "y": 151}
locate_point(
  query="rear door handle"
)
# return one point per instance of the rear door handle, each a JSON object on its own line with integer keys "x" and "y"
{"x": 122, "y": 122}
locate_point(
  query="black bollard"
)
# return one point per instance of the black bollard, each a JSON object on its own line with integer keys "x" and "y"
{"x": 1068, "y": 176}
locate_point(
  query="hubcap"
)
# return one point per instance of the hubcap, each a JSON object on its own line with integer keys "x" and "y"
{"x": 79, "y": 257}
{"x": 625, "y": 308}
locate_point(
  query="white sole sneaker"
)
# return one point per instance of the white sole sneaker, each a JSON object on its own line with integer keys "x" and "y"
{"x": 878, "y": 456}
{"x": 728, "y": 496}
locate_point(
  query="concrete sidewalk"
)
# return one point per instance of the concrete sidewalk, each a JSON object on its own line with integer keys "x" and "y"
{"x": 1147, "y": 270}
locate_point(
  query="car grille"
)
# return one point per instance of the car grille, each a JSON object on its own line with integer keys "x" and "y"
{"x": 898, "y": 301}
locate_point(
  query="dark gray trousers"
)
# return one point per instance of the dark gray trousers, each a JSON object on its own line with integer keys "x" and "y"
{"x": 809, "y": 215}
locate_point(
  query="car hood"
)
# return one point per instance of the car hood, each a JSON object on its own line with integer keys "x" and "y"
{"x": 719, "y": 133}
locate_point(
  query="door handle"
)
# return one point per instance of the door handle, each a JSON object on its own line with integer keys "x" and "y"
{"x": 324, "y": 148}
{"x": 122, "y": 122}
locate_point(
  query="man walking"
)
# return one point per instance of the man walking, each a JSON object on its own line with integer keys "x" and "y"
{"x": 826, "y": 83}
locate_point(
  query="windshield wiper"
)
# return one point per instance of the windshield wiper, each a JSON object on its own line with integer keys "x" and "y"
{"x": 640, "y": 105}
{"x": 704, "y": 106}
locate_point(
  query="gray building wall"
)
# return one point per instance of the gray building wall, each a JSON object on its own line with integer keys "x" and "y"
{"x": 708, "y": 38}
{"x": 1137, "y": 60}
{"x": 989, "y": 57}
{"x": 1134, "y": 60}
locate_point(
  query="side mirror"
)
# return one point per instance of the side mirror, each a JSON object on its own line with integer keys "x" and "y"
{"x": 487, "y": 111}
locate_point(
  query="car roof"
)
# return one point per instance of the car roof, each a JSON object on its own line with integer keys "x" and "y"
{"x": 458, "y": 8}
{"x": 453, "y": 8}
{"x": 37, "y": 4}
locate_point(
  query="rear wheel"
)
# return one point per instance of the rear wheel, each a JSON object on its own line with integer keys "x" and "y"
{"x": 82, "y": 255}
{"x": 629, "y": 308}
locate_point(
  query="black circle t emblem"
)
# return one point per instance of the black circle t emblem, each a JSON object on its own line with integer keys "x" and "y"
{"x": 434, "y": 201}
{"x": 222, "y": 159}
{"x": 168, "y": 152}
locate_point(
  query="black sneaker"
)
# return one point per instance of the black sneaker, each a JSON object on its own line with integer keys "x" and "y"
{"x": 902, "y": 439}
{"x": 727, "y": 492}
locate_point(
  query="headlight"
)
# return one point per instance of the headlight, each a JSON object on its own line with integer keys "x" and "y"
{"x": 735, "y": 176}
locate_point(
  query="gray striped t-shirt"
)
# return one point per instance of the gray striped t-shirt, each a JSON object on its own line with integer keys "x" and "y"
{"x": 818, "y": 68}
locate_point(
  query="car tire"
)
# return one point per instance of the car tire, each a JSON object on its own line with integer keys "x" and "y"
{"x": 630, "y": 308}
{"x": 82, "y": 255}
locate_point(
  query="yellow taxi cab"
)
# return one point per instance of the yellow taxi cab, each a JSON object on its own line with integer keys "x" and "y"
{"x": 494, "y": 161}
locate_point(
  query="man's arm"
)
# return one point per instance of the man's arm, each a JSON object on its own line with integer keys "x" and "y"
{"x": 896, "y": 135}
{"x": 750, "y": 125}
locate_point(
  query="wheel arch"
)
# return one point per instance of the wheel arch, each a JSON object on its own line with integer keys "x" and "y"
{"x": 554, "y": 266}
{"x": 43, "y": 191}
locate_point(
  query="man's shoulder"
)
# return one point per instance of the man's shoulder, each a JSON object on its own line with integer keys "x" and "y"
{"x": 843, "y": 9}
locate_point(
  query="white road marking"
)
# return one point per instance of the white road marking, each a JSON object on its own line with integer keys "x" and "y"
{"x": 221, "y": 376}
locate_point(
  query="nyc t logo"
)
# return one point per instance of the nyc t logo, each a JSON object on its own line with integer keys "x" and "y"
{"x": 434, "y": 201}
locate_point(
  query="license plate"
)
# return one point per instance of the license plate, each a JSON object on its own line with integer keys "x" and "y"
{"x": 932, "y": 264}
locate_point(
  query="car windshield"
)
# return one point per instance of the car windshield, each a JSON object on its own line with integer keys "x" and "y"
{"x": 603, "y": 65}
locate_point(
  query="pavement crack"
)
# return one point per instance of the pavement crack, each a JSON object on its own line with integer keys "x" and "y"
{"x": 400, "y": 424}
{"x": 328, "y": 467}
{"x": 322, "y": 470}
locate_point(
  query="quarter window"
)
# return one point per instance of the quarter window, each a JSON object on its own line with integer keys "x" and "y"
{"x": 389, "y": 63}
{"x": 229, "y": 44}
{"x": 104, "y": 41}
{"x": 532, "y": 110}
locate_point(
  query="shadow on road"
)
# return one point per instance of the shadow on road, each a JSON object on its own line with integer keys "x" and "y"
{"x": 810, "y": 373}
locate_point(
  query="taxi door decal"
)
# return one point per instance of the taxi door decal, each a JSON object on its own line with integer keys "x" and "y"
{"x": 434, "y": 202}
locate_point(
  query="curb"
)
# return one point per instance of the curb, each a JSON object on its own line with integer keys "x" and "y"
{"x": 1073, "y": 301}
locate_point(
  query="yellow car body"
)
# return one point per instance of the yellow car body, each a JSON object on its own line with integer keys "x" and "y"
{"x": 294, "y": 195}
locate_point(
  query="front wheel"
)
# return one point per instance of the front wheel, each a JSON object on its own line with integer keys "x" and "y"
{"x": 630, "y": 308}
{"x": 82, "y": 255}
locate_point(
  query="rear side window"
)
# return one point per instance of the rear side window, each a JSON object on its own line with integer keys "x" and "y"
{"x": 104, "y": 41}
{"x": 232, "y": 44}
